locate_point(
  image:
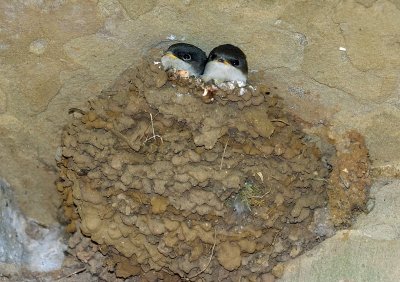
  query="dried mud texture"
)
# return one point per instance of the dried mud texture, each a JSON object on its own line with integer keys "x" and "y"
{"x": 349, "y": 179}
{"x": 189, "y": 184}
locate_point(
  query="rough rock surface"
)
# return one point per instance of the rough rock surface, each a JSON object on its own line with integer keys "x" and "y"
{"x": 368, "y": 252}
{"x": 335, "y": 63}
{"x": 24, "y": 244}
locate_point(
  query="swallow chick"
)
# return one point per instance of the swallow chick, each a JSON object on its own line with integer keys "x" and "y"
{"x": 185, "y": 57}
{"x": 226, "y": 63}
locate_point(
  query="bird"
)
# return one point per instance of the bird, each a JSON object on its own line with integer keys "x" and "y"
{"x": 185, "y": 57}
{"x": 226, "y": 63}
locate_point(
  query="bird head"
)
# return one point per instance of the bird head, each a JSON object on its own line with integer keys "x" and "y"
{"x": 226, "y": 63}
{"x": 187, "y": 57}
{"x": 229, "y": 54}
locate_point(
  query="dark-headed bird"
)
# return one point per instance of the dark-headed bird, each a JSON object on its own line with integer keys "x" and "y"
{"x": 185, "y": 57}
{"x": 226, "y": 63}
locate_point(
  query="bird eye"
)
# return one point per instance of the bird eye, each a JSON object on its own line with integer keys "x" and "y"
{"x": 213, "y": 57}
{"x": 235, "y": 63}
{"x": 186, "y": 57}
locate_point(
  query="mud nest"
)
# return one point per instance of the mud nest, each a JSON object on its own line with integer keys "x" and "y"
{"x": 203, "y": 184}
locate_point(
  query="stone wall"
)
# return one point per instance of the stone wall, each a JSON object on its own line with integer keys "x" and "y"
{"x": 336, "y": 63}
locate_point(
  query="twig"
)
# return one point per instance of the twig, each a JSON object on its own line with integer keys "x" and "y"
{"x": 223, "y": 155}
{"x": 209, "y": 260}
{"x": 280, "y": 120}
{"x": 73, "y": 273}
{"x": 259, "y": 197}
{"x": 276, "y": 235}
{"x": 167, "y": 271}
{"x": 154, "y": 134}
{"x": 320, "y": 179}
{"x": 345, "y": 183}
{"x": 121, "y": 136}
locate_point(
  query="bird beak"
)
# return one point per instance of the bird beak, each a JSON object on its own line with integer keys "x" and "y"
{"x": 225, "y": 62}
{"x": 169, "y": 54}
